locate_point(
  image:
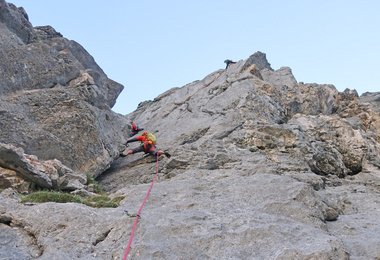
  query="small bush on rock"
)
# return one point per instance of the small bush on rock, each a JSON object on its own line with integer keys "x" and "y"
{"x": 96, "y": 201}
{"x": 52, "y": 196}
{"x": 102, "y": 201}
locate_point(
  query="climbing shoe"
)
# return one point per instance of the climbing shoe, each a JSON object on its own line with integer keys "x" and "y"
{"x": 167, "y": 154}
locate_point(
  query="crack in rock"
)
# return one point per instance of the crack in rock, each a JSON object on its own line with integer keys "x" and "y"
{"x": 101, "y": 237}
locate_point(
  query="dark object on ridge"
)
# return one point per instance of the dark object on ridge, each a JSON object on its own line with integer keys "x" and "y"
{"x": 228, "y": 62}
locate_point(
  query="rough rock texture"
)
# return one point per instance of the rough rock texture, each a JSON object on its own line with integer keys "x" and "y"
{"x": 59, "y": 231}
{"x": 55, "y": 101}
{"x": 260, "y": 170}
{"x": 263, "y": 167}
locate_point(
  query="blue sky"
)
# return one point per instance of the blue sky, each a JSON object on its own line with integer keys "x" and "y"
{"x": 152, "y": 46}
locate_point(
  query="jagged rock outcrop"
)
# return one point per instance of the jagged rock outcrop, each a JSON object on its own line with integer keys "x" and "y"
{"x": 254, "y": 150}
{"x": 51, "y": 174}
{"x": 55, "y": 101}
{"x": 263, "y": 167}
{"x": 237, "y": 109}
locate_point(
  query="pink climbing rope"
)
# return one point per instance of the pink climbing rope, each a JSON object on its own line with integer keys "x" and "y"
{"x": 128, "y": 248}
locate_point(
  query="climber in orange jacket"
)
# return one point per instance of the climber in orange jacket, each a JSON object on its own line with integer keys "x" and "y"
{"x": 148, "y": 145}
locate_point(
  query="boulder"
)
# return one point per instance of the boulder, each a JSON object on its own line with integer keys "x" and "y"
{"x": 50, "y": 174}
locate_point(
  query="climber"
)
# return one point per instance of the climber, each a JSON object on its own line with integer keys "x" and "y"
{"x": 228, "y": 62}
{"x": 135, "y": 129}
{"x": 148, "y": 145}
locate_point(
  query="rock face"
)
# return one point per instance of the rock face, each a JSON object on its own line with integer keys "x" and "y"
{"x": 263, "y": 167}
{"x": 55, "y": 101}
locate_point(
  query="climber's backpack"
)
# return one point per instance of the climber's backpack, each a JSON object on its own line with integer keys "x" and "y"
{"x": 151, "y": 138}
